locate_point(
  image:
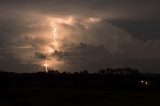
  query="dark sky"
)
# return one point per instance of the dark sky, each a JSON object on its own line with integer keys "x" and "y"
{"x": 91, "y": 34}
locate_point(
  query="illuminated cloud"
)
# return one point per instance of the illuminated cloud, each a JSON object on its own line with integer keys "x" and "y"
{"x": 91, "y": 34}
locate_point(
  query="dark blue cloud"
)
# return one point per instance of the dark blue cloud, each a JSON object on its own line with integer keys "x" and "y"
{"x": 141, "y": 29}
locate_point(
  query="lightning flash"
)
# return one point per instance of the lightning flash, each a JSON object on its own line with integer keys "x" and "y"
{"x": 46, "y": 65}
{"x": 54, "y": 37}
{"x": 54, "y": 44}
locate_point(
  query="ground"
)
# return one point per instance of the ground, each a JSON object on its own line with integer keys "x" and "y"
{"x": 77, "y": 97}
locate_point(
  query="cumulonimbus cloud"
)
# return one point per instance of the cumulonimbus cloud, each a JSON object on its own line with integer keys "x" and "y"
{"x": 95, "y": 37}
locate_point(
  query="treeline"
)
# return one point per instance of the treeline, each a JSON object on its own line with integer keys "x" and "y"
{"x": 117, "y": 79}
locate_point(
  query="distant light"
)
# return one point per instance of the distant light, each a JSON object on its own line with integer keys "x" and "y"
{"x": 146, "y": 83}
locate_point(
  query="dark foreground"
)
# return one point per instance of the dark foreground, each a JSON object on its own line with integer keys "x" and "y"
{"x": 78, "y": 97}
{"x": 121, "y": 87}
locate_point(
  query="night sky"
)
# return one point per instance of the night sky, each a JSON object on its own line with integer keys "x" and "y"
{"x": 74, "y": 35}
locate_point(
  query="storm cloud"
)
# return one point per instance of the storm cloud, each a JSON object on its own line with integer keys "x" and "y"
{"x": 103, "y": 33}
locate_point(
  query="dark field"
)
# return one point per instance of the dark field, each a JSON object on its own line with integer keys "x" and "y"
{"x": 77, "y": 97}
{"x": 79, "y": 89}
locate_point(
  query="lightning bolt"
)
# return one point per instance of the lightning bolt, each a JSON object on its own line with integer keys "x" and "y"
{"x": 46, "y": 65}
{"x": 54, "y": 37}
{"x": 54, "y": 44}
